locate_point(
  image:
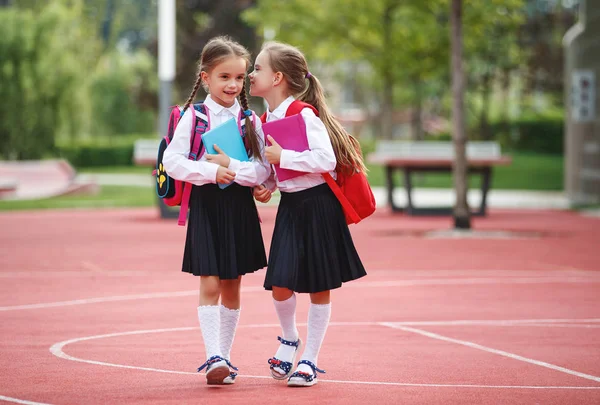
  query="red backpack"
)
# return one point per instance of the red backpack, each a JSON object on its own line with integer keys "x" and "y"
{"x": 352, "y": 191}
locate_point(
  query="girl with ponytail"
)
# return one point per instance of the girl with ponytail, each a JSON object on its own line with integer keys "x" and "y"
{"x": 311, "y": 250}
{"x": 224, "y": 239}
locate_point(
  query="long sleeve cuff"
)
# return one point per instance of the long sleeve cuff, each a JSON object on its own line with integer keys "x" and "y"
{"x": 234, "y": 165}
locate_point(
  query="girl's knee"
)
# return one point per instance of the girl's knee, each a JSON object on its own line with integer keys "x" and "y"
{"x": 281, "y": 294}
{"x": 210, "y": 287}
{"x": 230, "y": 285}
{"x": 230, "y": 293}
{"x": 321, "y": 298}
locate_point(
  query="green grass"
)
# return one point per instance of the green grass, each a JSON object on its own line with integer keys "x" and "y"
{"x": 526, "y": 172}
{"x": 109, "y": 196}
{"x": 117, "y": 169}
{"x": 585, "y": 207}
{"x": 100, "y": 140}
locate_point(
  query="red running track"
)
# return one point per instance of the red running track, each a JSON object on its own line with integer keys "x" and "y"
{"x": 94, "y": 309}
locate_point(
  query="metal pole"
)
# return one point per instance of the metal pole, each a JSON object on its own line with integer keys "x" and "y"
{"x": 166, "y": 58}
{"x": 166, "y": 74}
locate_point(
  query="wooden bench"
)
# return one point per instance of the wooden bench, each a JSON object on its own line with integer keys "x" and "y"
{"x": 145, "y": 152}
{"x": 414, "y": 156}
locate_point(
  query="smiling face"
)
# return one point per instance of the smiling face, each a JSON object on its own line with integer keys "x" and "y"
{"x": 262, "y": 78}
{"x": 226, "y": 80}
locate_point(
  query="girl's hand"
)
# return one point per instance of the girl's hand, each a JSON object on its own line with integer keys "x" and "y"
{"x": 262, "y": 194}
{"x": 224, "y": 175}
{"x": 221, "y": 159}
{"x": 273, "y": 152}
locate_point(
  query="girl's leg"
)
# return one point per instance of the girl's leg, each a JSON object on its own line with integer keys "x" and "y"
{"x": 318, "y": 320}
{"x": 208, "y": 314}
{"x": 230, "y": 313}
{"x": 210, "y": 320}
{"x": 285, "y": 306}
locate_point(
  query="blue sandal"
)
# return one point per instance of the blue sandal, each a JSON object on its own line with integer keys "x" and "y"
{"x": 217, "y": 373}
{"x": 230, "y": 379}
{"x": 284, "y": 365}
{"x": 303, "y": 379}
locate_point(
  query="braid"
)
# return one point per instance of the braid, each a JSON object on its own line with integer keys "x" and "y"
{"x": 250, "y": 130}
{"x": 194, "y": 91}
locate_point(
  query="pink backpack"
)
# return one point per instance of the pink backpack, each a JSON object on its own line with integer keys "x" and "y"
{"x": 175, "y": 192}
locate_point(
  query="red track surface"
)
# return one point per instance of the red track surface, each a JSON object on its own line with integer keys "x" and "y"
{"x": 436, "y": 321}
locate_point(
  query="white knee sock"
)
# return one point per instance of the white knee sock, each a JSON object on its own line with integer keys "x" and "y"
{"x": 318, "y": 320}
{"x": 286, "y": 311}
{"x": 229, "y": 321}
{"x": 209, "y": 318}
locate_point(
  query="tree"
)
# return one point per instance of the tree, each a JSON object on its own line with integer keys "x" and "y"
{"x": 45, "y": 58}
{"x": 542, "y": 33}
{"x": 200, "y": 20}
{"x": 459, "y": 169}
{"x": 390, "y": 35}
{"x": 497, "y": 22}
{"x": 405, "y": 43}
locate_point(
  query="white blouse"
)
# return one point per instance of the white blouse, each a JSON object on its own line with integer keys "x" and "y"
{"x": 179, "y": 167}
{"x": 319, "y": 159}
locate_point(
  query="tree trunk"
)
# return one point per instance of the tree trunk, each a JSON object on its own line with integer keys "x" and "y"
{"x": 459, "y": 170}
{"x": 107, "y": 23}
{"x": 484, "y": 125}
{"x": 505, "y": 113}
{"x": 387, "y": 109}
{"x": 417, "y": 122}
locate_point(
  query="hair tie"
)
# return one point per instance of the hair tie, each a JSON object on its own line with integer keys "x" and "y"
{"x": 308, "y": 75}
{"x": 248, "y": 113}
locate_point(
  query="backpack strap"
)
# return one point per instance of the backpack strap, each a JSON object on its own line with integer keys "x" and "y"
{"x": 199, "y": 127}
{"x": 339, "y": 193}
{"x": 297, "y": 106}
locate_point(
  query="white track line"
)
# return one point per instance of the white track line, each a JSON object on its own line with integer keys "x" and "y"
{"x": 396, "y": 272}
{"x": 73, "y": 273}
{"x": 491, "y": 350}
{"x": 498, "y": 322}
{"x": 92, "y": 267}
{"x": 20, "y": 401}
{"x": 57, "y": 350}
{"x": 132, "y": 297}
{"x": 475, "y": 281}
{"x": 560, "y": 271}
{"x": 99, "y": 299}
{"x": 364, "y": 284}
{"x": 561, "y": 325}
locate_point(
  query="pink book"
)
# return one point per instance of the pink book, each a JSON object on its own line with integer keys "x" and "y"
{"x": 290, "y": 133}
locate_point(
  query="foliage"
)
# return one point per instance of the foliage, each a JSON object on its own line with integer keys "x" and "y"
{"x": 44, "y": 59}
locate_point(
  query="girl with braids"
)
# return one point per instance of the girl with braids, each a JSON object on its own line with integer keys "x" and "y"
{"x": 311, "y": 249}
{"x": 224, "y": 239}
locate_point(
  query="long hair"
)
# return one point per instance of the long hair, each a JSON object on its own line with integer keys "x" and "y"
{"x": 292, "y": 64}
{"x": 215, "y": 52}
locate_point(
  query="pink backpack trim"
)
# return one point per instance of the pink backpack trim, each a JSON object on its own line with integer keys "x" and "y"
{"x": 194, "y": 155}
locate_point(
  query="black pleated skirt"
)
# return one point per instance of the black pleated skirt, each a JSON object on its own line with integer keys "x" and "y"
{"x": 312, "y": 249}
{"x": 223, "y": 234}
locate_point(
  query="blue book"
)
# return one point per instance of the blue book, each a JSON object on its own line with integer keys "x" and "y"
{"x": 227, "y": 137}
